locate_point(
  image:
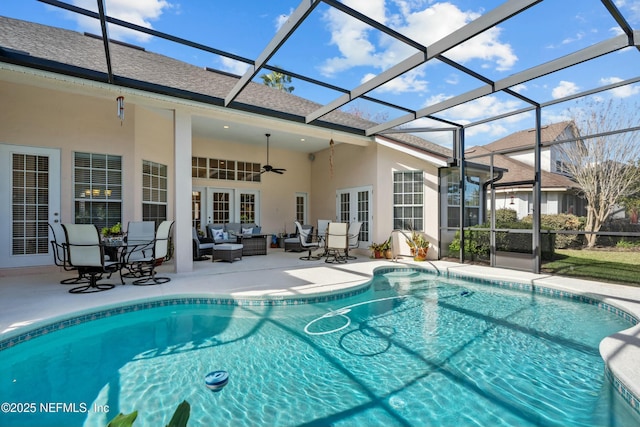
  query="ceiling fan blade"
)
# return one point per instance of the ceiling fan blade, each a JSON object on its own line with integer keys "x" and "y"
{"x": 268, "y": 167}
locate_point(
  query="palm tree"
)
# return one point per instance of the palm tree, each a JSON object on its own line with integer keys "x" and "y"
{"x": 278, "y": 80}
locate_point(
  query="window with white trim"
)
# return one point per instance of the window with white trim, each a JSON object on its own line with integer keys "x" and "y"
{"x": 408, "y": 200}
{"x": 228, "y": 170}
{"x": 97, "y": 189}
{"x": 154, "y": 191}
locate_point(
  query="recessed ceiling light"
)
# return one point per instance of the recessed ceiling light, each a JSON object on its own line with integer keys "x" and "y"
{"x": 302, "y": 139}
{"x": 226, "y": 126}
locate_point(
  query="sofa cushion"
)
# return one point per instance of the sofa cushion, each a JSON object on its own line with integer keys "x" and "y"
{"x": 233, "y": 228}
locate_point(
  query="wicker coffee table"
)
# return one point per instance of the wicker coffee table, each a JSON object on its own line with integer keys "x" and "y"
{"x": 253, "y": 244}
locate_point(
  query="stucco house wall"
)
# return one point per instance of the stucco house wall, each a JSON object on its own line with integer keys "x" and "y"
{"x": 277, "y": 192}
{"x": 41, "y": 117}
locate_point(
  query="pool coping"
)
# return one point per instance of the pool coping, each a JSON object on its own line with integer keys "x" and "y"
{"x": 620, "y": 351}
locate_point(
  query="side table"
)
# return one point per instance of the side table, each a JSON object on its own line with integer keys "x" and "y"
{"x": 253, "y": 244}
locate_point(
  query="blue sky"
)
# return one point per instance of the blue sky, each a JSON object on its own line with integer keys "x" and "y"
{"x": 335, "y": 48}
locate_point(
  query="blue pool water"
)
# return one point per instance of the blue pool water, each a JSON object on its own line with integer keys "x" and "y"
{"x": 413, "y": 350}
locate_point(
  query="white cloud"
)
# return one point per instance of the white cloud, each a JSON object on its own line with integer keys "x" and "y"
{"x": 357, "y": 46}
{"x": 139, "y": 12}
{"x": 351, "y": 37}
{"x": 622, "y": 91}
{"x": 519, "y": 88}
{"x": 577, "y": 37}
{"x": 480, "y": 108}
{"x": 282, "y": 19}
{"x": 563, "y": 89}
{"x": 410, "y": 81}
{"x": 232, "y": 66}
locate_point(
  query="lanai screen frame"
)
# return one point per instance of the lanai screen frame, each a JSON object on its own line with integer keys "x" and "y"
{"x": 629, "y": 38}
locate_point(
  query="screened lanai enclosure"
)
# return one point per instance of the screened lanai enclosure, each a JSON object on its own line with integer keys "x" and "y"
{"x": 535, "y": 102}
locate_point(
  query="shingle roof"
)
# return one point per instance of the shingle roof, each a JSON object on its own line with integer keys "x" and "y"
{"x": 526, "y": 138}
{"x": 518, "y": 171}
{"x": 137, "y": 67}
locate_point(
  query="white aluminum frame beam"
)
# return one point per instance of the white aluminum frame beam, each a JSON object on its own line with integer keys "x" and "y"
{"x": 483, "y": 23}
{"x": 591, "y": 52}
{"x": 295, "y": 19}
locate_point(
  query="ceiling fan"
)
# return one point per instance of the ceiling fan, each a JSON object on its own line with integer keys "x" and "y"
{"x": 268, "y": 167}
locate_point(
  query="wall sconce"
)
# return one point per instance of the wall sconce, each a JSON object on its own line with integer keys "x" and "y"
{"x": 120, "y": 108}
{"x": 512, "y": 199}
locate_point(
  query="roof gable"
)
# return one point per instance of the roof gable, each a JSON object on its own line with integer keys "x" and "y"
{"x": 526, "y": 138}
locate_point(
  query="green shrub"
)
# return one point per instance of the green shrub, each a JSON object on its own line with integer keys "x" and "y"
{"x": 626, "y": 244}
{"x": 560, "y": 222}
{"x": 477, "y": 242}
{"x": 504, "y": 215}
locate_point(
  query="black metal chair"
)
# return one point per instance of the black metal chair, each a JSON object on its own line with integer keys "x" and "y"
{"x": 354, "y": 238}
{"x": 141, "y": 260}
{"x": 306, "y": 242}
{"x": 86, "y": 253}
{"x": 59, "y": 250}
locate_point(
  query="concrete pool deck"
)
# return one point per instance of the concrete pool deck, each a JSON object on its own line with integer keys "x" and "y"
{"x": 28, "y": 301}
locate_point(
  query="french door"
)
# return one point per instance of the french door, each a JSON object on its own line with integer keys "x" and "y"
{"x": 354, "y": 204}
{"x": 29, "y": 200}
{"x": 212, "y": 205}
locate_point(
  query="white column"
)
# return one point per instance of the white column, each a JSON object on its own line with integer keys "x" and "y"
{"x": 182, "y": 165}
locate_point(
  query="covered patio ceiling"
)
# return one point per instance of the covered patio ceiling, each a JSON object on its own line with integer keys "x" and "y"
{"x": 429, "y": 54}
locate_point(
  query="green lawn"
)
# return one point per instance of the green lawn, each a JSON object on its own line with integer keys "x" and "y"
{"x": 610, "y": 266}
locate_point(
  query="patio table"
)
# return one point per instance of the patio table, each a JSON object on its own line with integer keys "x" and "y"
{"x": 253, "y": 244}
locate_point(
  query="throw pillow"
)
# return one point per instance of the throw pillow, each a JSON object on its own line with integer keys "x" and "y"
{"x": 247, "y": 230}
{"x": 218, "y": 234}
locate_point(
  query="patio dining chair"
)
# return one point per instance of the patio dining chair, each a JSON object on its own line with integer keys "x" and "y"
{"x": 304, "y": 237}
{"x": 323, "y": 225}
{"x": 141, "y": 263}
{"x": 140, "y": 232}
{"x": 354, "y": 238}
{"x": 60, "y": 258}
{"x": 142, "y": 235}
{"x": 86, "y": 253}
{"x": 337, "y": 243}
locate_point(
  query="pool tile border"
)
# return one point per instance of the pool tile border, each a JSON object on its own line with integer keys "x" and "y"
{"x": 267, "y": 300}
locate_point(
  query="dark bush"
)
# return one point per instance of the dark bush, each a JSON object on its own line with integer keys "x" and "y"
{"x": 504, "y": 215}
{"x": 477, "y": 242}
{"x": 560, "y": 222}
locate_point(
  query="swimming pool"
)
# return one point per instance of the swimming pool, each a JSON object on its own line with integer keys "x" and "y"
{"x": 414, "y": 349}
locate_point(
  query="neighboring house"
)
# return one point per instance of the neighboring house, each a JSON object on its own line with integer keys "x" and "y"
{"x": 514, "y": 153}
{"x": 179, "y": 153}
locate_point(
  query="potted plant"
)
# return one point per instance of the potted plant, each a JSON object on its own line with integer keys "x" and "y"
{"x": 111, "y": 232}
{"x": 386, "y": 249}
{"x": 376, "y": 249}
{"x": 419, "y": 246}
